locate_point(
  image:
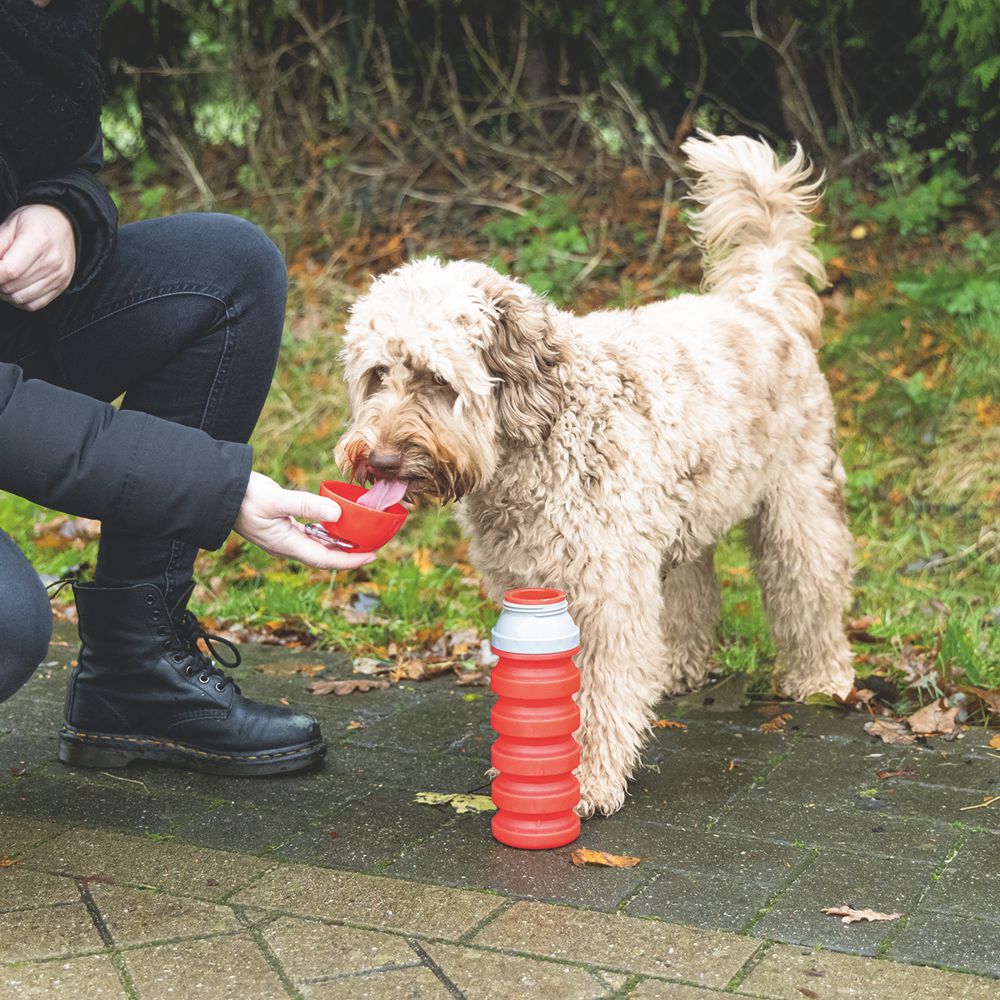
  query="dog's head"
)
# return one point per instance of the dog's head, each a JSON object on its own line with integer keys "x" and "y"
{"x": 446, "y": 364}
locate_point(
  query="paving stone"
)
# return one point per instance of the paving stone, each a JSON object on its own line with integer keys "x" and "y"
{"x": 437, "y": 724}
{"x": 721, "y": 741}
{"x": 657, "y": 989}
{"x": 75, "y": 796}
{"x": 485, "y": 975}
{"x": 466, "y": 856}
{"x": 889, "y": 886}
{"x": 373, "y": 767}
{"x": 21, "y": 888}
{"x": 138, "y": 916}
{"x": 954, "y": 941}
{"x": 234, "y": 827}
{"x": 964, "y": 767}
{"x": 970, "y": 884}
{"x": 19, "y": 832}
{"x": 701, "y": 851}
{"x": 687, "y": 790}
{"x": 47, "y": 932}
{"x": 370, "y": 900}
{"x": 175, "y": 867}
{"x": 308, "y": 949}
{"x": 92, "y": 977}
{"x": 709, "y": 958}
{"x": 223, "y": 968}
{"x": 785, "y": 971}
{"x": 396, "y": 984}
{"x": 702, "y": 900}
{"x": 371, "y": 831}
{"x": 947, "y": 805}
{"x": 847, "y": 830}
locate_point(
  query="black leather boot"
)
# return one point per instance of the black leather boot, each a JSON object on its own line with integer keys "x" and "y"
{"x": 144, "y": 690}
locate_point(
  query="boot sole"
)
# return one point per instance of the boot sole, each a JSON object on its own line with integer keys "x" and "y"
{"x": 104, "y": 751}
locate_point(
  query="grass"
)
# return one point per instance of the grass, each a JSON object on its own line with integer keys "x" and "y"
{"x": 912, "y": 356}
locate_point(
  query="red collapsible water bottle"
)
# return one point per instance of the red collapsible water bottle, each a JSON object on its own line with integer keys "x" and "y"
{"x": 535, "y": 679}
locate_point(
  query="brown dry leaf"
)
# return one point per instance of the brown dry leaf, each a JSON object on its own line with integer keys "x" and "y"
{"x": 418, "y": 670}
{"x": 893, "y": 733}
{"x": 848, "y": 915}
{"x": 668, "y": 724}
{"x": 777, "y": 724}
{"x": 903, "y": 772}
{"x": 991, "y": 699}
{"x": 287, "y": 668}
{"x": 935, "y": 719}
{"x": 812, "y": 994}
{"x": 584, "y": 856}
{"x": 465, "y": 677}
{"x": 7, "y": 862}
{"x": 995, "y": 742}
{"x": 354, "y": 617}
{"x": 339, "y": 687}
{"x": 355, "y": 724}
{"x": 857, "y": 630}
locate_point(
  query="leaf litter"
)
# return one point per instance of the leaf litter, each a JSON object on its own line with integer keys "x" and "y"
{"x": 583, "y": 856}
{"x": 460, "y": 802}
{"x": 849, "y": 915}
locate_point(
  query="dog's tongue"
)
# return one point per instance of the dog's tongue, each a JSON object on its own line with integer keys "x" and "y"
{"x": 384, "y": 494}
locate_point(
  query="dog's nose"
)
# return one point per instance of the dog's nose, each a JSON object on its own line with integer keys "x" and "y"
{"x": 386, "y": 462}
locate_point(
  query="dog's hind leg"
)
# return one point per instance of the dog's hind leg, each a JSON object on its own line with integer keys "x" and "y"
{"x": 691, "y": 611}
{"x": 802, "y": 549}
{"x": 618, "y": 609}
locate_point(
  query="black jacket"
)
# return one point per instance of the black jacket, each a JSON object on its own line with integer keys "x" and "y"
{"x": 75, "y": 454}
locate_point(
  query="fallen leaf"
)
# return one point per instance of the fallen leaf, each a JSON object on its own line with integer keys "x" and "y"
{"x": 284, "y": 701}
{"x": 891, "y": 732}
{"x": 369, "y": 667}
{"x": 848, "y": 915}
{"x": 7, "y": 862}
{"x": 995, "y": 742}
{"x": 354, "y": 617}
{"x": 460, "y": 803}
{"x": 584, "y": 856}
{"x": 339, "y": 687}
{"x": 903, "y": 772}
{"x": 668, "y": 724}
{"x": 332, "y": 834}
{"x": 418, "y": 670}
{"x": 777, "y": 724}
{"x": 812, "y": 994}
{"x": 935, "y": 719}
{"x": 355, "y": 724}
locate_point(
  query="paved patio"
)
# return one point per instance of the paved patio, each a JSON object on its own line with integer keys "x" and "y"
{"x": 155, "y": 883}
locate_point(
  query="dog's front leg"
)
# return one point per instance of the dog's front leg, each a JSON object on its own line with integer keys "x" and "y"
{"x": 621, "y": 663}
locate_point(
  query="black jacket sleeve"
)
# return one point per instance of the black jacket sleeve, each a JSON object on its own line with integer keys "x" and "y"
{"x": 69, "y": 452}
{"x": 89, "y": 207}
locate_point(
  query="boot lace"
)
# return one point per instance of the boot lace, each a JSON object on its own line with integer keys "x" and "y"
{"x": 183, "y": 638}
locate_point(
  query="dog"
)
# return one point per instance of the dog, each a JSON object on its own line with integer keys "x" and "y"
{"x": 607, "y": 454}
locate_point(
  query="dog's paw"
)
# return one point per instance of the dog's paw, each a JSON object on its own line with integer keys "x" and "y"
{"x": 602, "y": 796}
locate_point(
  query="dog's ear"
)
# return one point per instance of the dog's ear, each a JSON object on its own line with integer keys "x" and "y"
{"x": 523, "y": 353}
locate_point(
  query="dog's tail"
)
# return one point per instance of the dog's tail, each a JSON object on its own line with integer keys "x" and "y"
{"x": 754, "y": 229}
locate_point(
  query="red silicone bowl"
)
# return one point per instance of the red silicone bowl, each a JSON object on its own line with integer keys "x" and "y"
{"x": 361, "y": 527}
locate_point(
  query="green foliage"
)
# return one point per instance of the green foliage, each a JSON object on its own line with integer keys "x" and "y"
{"x": 549, "y": 247}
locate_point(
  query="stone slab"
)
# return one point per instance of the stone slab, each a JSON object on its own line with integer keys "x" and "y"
{"x": 137, "y": 916}
{"x": 657, "y": 989}
{"x": 485, "y": 975}
{"x": 383, "y": 903}
{"x": 92, "y": 977}
{"x": 466, "y": 856}
{"x": 309, "y": 949}
{"x": 18, "y": 833}
{"x": 709, "y": 958}
{"x": 168, "y": 865}
{"x": 835, "y": 880}
{"x": 954, "y": 941}
{"x": 785, "y": 971}
{"x": 21, "y": 888}
{"x": 222, "y": 968}
{"x": 47, "y": 932}
{"x": 970, "y": 883}
{"x": 396, "y": 984}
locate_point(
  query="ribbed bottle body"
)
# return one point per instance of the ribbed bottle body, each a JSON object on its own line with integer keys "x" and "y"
{"x": 535, "y": 716}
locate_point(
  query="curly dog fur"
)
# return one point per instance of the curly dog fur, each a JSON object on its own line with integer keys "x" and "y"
{"x": 607, "y": 454}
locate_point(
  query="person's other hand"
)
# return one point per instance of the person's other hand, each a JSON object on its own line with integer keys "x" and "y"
{"x": 268, "y": 519}
{"x": 37, "y": 256}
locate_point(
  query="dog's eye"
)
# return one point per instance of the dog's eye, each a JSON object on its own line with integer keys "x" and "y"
{"x": 381, "y": 373}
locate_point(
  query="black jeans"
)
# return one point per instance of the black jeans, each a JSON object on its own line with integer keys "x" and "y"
{"x": 185, "y": 320}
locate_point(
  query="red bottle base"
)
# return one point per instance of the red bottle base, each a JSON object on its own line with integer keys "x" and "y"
{"x": 536, "y": 833}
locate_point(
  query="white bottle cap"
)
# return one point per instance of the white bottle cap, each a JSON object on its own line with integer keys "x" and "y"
{"x": 535, "y": 621}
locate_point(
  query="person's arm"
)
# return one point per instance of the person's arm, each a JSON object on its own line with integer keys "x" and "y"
{"x": 72, "y": 453}
{"x": 87, "y": 205}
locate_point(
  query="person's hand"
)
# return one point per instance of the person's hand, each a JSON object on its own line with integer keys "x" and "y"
{"x": 37, "y": 256}
{"x": 268, "y": 519}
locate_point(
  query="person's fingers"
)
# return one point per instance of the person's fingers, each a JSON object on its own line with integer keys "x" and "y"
{"x": 8, "y": 232}
{"x": 18, "y": 261}
{"x": 36, "y": 295}
{"x": 306, "y": 550}
{"x": 308, "y": 506}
